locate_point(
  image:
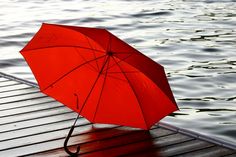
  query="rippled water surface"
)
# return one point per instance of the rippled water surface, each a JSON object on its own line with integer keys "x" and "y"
{"x": 194, "y": 40}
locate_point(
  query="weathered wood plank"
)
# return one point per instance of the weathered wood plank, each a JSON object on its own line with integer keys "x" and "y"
{"x": 40, "y": 137}
{"x": 12, "y": 88}
{"x": 176, "y": 149}
{"x": 215, "y": 151}
{"x": 127, "y": 137}
{"x": 19, "y": 92}
{"x": 155, "y": 152}
{"x": 8, "y": 83}
{"x": 2, "y": 79}
{"x": 11, "y": 127}
{"x": 29, "y": 102}
{"x": 185, "y": 147}
{"x": 28, "y": 109}
{"x": 33, "y": 115}
{"x": 140, "y": 146}
{"x": 21, "y": 98}
{"x": 81, "y": 135}
{"x": 35, "y": 125}
{"x": 231, "y": 155}
{"x": 39, "y": 129}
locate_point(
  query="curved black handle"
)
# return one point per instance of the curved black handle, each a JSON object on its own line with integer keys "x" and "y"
{"x": 72, "y": 154}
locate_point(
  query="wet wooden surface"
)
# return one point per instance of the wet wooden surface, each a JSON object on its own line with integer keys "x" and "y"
{"x": 32, "y": 124}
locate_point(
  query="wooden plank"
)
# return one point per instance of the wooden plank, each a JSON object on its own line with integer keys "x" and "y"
{"x": 83, "y": 133}
{"x": 39, "y": 129}
{"x": 21, "y": 98}
{"x": 19, "y": 92}
{"x": 28, "y": 109}
{"x": 140, "y": 146}
{"x": 33, "y": 115}
{"x": 11, "y": 127}
{"x": 185, "y": 147}
{"x": 8, "y": 83}
{"x": 40, "y": 137}
{"x": 150, "y": 153}
{"x": 13, "y": 88}
{"x": 127, "y": 137}
{"x": 231, "y": 155}
{"x": 2, "y": 79}
{"x": 30, "y": 102}
{"x": 215, "y": 151}
{"x": 34, "y": 124}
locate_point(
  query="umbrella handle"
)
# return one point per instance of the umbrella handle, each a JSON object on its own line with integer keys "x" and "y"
{"x": 72, "y": 154}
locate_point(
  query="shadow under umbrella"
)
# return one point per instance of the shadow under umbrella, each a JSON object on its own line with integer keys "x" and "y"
{"x": 111, "y": 140}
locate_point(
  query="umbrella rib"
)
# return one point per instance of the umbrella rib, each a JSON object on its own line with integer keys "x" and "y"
{"x": 103, "y": 85}
{"x": 131, "y": 86}
{"x": 99, "y": 74}
{"x": 48, "y": 47}
{"x": 86, "y": 60}
{"x": 71, "y": 71}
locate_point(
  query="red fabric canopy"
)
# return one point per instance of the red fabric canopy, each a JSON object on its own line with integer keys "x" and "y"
{"x": 99, "y": 76}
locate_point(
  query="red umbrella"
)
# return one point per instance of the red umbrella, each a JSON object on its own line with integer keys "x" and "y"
{"x": 99, "y": 76}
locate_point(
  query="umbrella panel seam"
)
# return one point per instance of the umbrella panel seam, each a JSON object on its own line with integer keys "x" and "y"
{"x": 60, "y": 78}
{"x": 93, "y": 68}
{"x": 99, "y": 74}
{"x": 133, "y": 91}
{"x": 97, "y": 106}
{"x": 48, "y": 47}
{"x": 93, "y": 51}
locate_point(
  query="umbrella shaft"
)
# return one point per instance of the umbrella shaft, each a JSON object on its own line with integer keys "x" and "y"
{"x": 99, "y": 74}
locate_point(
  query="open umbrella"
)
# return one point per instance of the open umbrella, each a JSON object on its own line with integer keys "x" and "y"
{"x": 99, "y": 76}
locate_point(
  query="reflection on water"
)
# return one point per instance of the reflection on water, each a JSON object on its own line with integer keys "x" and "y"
{"x": 194, "y": 40}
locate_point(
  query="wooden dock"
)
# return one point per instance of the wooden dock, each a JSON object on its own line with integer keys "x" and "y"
{"x": 33, "y": 124}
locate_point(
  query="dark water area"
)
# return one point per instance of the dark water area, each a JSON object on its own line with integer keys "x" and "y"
{"x": 194, "y": 40}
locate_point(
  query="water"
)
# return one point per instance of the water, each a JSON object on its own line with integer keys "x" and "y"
{"x": 194, "y": 40}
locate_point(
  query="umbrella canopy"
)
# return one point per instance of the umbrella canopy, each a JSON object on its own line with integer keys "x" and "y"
{"x": 99, "y": 76}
